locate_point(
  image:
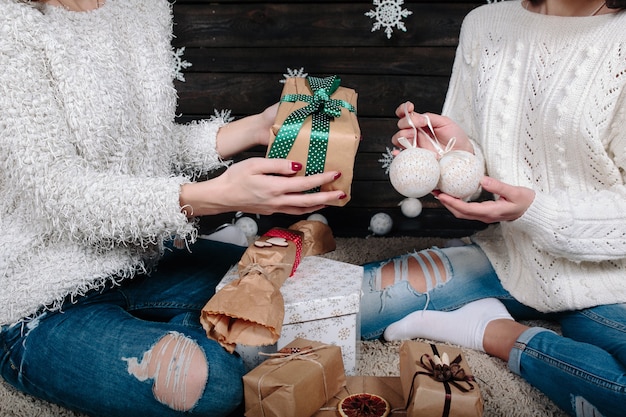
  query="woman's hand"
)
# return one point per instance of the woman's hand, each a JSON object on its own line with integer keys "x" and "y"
{"x": 511, "y": 203}
{"x": 242, "y": 134}
{"x": 261, "y": 186}
{"x": 444, "y": 128}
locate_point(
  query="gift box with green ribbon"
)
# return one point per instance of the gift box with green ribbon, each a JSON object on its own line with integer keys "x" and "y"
{"x": 317, "y": 126}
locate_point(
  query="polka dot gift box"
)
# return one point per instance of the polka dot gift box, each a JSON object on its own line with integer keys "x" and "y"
{"x": 317, "y": 126}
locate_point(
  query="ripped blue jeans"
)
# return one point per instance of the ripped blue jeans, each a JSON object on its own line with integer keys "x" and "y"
{"x": 583, "y": 371}
{"x": 133, "y": 350}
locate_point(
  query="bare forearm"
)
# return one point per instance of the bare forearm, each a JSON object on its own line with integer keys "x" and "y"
{"x": 246, "y": 133}
{"x": 195, "y": 200}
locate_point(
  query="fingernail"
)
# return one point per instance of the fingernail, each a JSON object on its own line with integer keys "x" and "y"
{"x": 342, "y": 196}
{"x": 296, "y": 166}
{"x": 337, "y": 175}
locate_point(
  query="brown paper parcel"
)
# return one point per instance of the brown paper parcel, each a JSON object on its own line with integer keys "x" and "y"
{"x": 343, "y": 140}
{"x": 250, "y": 310}
{"x": 297, "y": 384}
{"x": 388, "y": 387}
{"x": 427, "y": 396}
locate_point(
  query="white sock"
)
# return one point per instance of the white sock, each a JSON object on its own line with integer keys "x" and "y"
{"x": 464, "y": 327}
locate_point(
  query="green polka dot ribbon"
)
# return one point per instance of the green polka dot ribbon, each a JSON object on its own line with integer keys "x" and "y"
{"x": 322, "y": 110}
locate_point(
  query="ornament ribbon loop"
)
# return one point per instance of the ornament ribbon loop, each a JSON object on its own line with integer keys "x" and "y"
{"x": 431, "y": 136}
{"x": 322, "y": 108}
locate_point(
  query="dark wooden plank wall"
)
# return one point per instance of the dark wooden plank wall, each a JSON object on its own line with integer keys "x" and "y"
{"x": 241, "y": 49}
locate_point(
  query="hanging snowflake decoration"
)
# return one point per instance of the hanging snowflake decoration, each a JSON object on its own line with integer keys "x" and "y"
{"x": 222, "y": 115}
{"x": 387, "y": 159}
{"x": 388, "y": 14}
{"x": 180, "y": 64}
{"x": 294, "y": 74}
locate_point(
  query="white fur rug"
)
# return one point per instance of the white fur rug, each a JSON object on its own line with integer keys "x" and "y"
{"x": 504, "y": 394}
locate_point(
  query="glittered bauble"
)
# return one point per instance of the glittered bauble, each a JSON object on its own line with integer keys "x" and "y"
{"x": 317, "y": 217}
{"x": 411, "y": 207}
{"x": 380, "y": 224}
{"x": 461, "y": 173}
{"x": 248, "y": 225}
{"x": 414, "y": 172}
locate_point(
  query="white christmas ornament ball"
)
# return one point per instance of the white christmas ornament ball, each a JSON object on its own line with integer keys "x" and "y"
{"x": 248, "y": 226}
{"x": 318, "y": 217}
{"x": 461, "y": 173}
{"x": 381, "y": 223}
{"x": 411, "y": 207}
{"x": 414, "y": 172}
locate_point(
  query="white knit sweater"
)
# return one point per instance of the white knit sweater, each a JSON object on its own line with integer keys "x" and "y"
{"x": 91, "y": 161}
{"x": 544, "y": 98}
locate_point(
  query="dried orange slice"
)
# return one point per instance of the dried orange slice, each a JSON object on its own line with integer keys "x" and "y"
{"x": 363, "y": 405}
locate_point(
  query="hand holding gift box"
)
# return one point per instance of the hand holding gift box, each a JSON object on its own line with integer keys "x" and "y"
{"x": 317, "y": 125}
{"x": 250, "y": 310}
{"x": 434, "y": 385}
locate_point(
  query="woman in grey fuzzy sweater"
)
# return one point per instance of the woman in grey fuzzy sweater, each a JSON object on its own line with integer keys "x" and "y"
{"x": 95, "y": 179}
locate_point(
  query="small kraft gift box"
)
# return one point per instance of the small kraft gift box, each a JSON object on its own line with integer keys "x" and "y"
{"x": 316, "y": 125}
{"x": 296, "y": 381}
{"x": 436, "y": 381}
{"x": 321, "y": 303}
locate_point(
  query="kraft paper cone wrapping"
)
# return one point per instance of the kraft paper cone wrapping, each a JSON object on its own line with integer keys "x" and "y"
{"x": 297, "y": 384}
{"x": 229, "y": 319}
{"x": 388, "y": 387}
{"x": 317, "y": 237}
{"x": 250, "y": 310}
{"x": 427, "y": 396}
{"x": 343, "y": 141}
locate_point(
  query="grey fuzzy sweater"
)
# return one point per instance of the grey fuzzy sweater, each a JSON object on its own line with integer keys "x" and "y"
{"x": 91, "y": 161}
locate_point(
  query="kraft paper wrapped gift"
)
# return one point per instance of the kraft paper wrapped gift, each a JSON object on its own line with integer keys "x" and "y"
{"x": 388, "y": 387}
{"x": 436, "y": 388}
{"x": 296, "y": 383}
{"x": 321, "y": 303}
{"x": 316, "y": 125}
{"x": 250, "y": 310}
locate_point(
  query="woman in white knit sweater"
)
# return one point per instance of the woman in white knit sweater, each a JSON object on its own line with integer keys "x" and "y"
{"x": 95, "y": 179}
{"x": 539, "y": 90}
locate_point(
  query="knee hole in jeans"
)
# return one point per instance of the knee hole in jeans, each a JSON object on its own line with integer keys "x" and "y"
{"x": 421, "y": 276}
{"x": 178, "y": 368}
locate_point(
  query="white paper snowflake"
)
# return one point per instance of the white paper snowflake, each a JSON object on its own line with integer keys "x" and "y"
{"x": 180, "y": 64}
{"x": 221, "y": 115}
{"x": 386, "y": 159}
{"x": 291, "y": 73}
{"x": 388, "y": 14}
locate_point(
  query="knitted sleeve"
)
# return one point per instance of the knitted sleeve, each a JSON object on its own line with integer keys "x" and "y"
{"x": 588, "y": 225}
{"x": 43, "y": 178}
{"x": 460, "y": 101}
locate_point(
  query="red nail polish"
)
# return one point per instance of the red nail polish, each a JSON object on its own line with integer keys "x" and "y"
{"x": 342, "y": 196}
{"x": 296, "y": 166}
{"x": 337, "y": 175}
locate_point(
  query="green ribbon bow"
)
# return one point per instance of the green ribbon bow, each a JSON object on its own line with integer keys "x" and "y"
{"x": 322, "y": 109}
